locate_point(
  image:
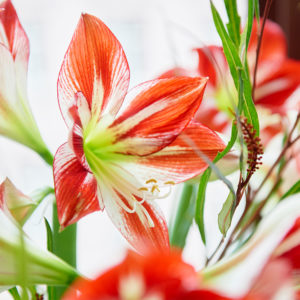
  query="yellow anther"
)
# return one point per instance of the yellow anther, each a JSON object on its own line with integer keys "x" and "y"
{"x": 154, "y": 187}
{"x": 143, "y": 189}
{"x": 152, "y": 180}
{"x": 170, "y": 183}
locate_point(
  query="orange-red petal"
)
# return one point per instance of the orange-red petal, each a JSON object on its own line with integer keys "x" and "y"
{"x": 181, "y": 160}
{"x": 211, "y": 63}
{"x": 95, "y": 65}
{"x": 159, "y": 112}
{"x": 75, "y": 188}
{"x": 156, "y": 273}
{"x": 276, "y": 88}
{"x": 273, "y": 46}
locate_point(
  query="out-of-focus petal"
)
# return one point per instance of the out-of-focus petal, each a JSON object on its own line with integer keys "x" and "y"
{"x": 181, "y": 160}
{"x": 274, "y": 277}
{"x": 273, "y": 47}
{"x": 176, "y": 72}
{"x": 250, "y": 259}
{"x": 212, "y": 118}
{"x": 274, "y": 91}
{"x": 162, "y": 275}
{"x": 159, "y": 112}
{"x": 42, "y": 267}
{"x": 289, "y": 248}
{"x": 144, "y": 228}
{"x": 14, "y": 201}
{"x": 211, "y": 63}
{"x": 75, "y": 188}
{"x": 13, "y": 36}
{"x": 96, "y": 66}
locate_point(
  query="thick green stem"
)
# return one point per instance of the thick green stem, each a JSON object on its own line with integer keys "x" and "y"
{"x": 64, "y": 246}
{"x": 184, "y": 217}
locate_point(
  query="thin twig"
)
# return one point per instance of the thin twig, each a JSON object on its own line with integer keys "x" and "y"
{"x": 266, "y": 13}
{"x": 288, "y": 144}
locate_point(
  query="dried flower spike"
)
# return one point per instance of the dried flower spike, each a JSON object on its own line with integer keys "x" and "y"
{"x": 254, "y": 146}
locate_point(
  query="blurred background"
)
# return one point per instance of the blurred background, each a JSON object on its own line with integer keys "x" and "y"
{"x": 156, "y": 35}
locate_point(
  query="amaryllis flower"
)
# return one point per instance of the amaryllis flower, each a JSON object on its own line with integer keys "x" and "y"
{"x": 14, "y": 202}
{"x": 122, "y": 157}
{"x": 278, "y": 77}
{"x": 154, "y": 276}
{"x": 16, "y": 120}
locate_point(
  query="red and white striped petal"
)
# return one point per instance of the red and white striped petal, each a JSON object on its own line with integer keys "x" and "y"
{"x": 181, "y": 160}
{"x": 76, "y": 189}
{"x": 276, "y": 88}
{"x": 159, "y": 112}
{"x": 96, "y": 66}
{"x": 13, "y": 36}
{"x": 212, "y": 63}
{"x": 144, "y": 228}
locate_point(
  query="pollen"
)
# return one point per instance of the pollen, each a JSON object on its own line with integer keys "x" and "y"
{"x": 169, "y": 183}
{"x": 155, "y": 188}
{"x": 143, "y": 189}
{"x": 152, "y": 180}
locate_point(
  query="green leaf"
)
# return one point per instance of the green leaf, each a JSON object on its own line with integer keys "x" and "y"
{"x": 200, "y": 202}
{"x": 15, "y": 294}
{"x": 245, "y": 37}
{"x": 256, "y": 5}
{"x": 235, "y": 65}
{"x": 226, "y": 214}
{"x": 184, "y": 217}
{"x": 234, "y": 23}
{"x": 50, "y": 289}
{"x": 64, "y": 246}
{"x": 295, "y": 189}
{"x": 228, "y": 45}
{"x": 49, "y": 236}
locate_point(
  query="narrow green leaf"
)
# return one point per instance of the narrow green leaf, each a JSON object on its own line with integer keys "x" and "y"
{"x": 235, "y": 64}
{"x": 256, "y": 5}
{"x": 200, "y": 202}
{"x": 295, "y": 189}
{"x": 234, "y": 23}
{"x": 49, "y": 236}
{"x": 245, "y": 37}
{"x": 15, "y": 294}
{"x": 50, "y": 289}
{"x": 184, "y": 217}
{"x": 228, "y": 45}
{"x": 226, "y": 213}
{"x": 229, "y": 145}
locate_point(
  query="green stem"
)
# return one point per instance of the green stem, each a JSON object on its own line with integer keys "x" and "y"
{"x": 14, "y": 293}
{"x": 47, "y": 156}
{"x": 64, "y": 246}
{"x": 184, "y": 217}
